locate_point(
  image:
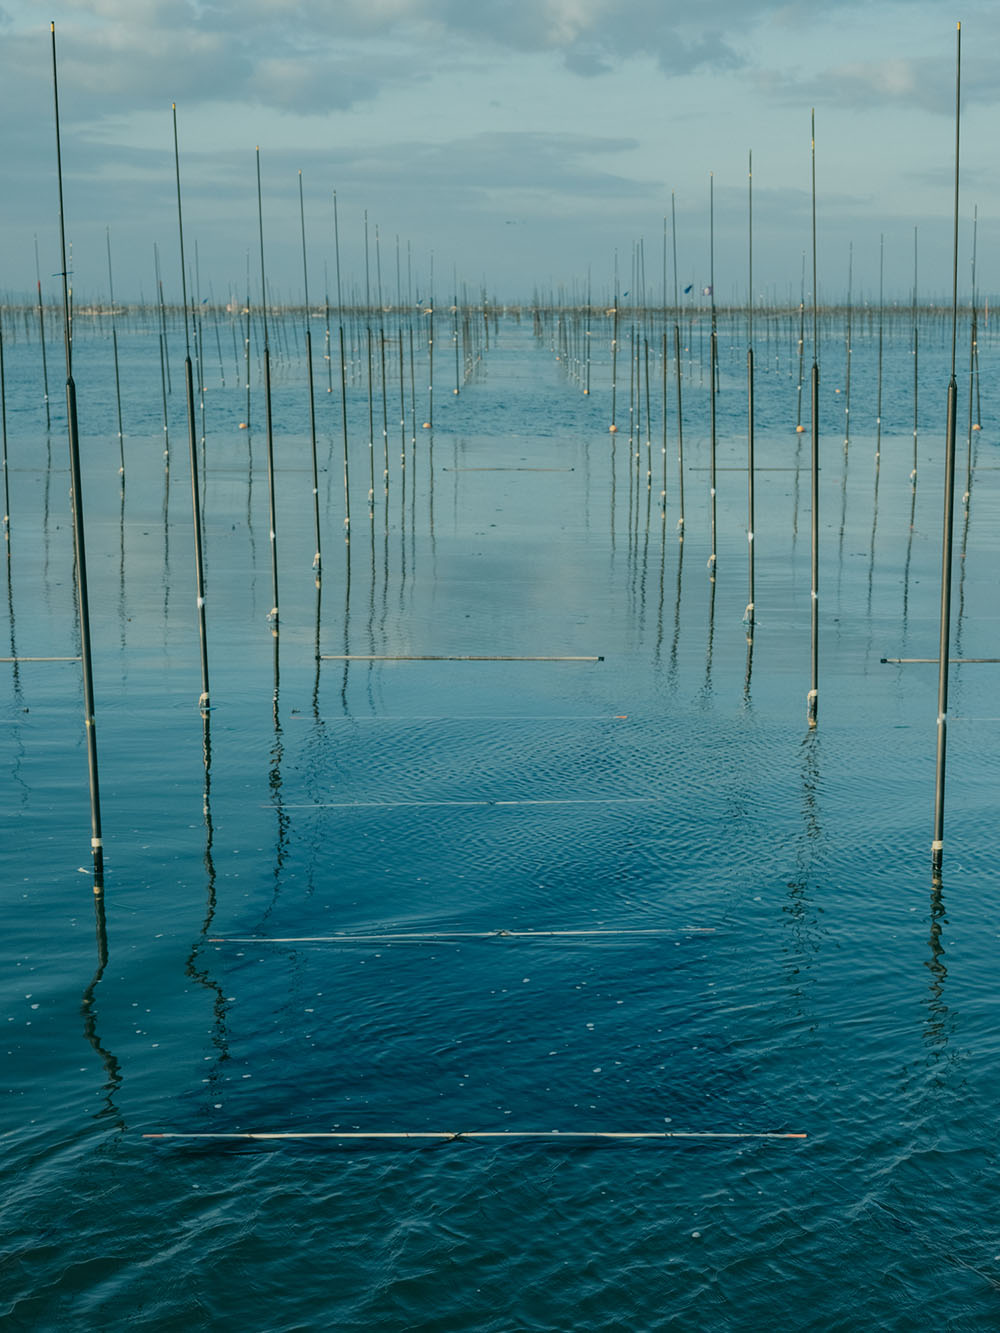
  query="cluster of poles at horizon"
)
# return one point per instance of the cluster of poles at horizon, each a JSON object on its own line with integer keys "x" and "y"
{"x": 571, "y": 341}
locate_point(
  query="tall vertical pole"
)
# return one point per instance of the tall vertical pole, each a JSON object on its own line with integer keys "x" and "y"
{"x": 114, "y": 345}
{"x": 41, "y": 335}
{"x": 343, "y": 375}
{"x": 199, "y": 564}
{"x": 749, "y": 613}
{"x": 317, "y": 558}
{"x": 712, "y": 360}
{"x": 79, "y": 544}
{"x": 677, "y": 372}
{"x": 813, "y": 697}
{"x": 3, "y": 444}
{"x": 937, "y": 846}
{"x": 269, "y": 423}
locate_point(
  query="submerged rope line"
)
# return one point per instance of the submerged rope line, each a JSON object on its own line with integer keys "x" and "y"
{"x": 451, "y": 1136}
{"x": 473, "y": 717}
{"x": 442, "y": 657}
{"x": 508, "y": 469}
{"x": 451, "y": 935}
{"x": 393, "y": 805}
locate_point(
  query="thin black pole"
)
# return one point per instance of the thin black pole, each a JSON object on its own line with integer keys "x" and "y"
{"x": 586, "y": 336}
{"x": 748, "y": 615}
{"x": 371, "y": 386}
{"x": 937, "y": 845}
{"x": 429, "y": 423}
{"x": 381, "y": 340}
{"x": 813, "y": 697}
{"x": 799, "y": 428}
{"x": 916, "y": 346}
{"x": 847, "y": 349}
{"x": 163, "y": 354}
{"x": 3, "y": 441}
{"x": 973, "y": 335}
{"x": 343, "y": 374}
{"x": 614, "y": 354}
{"x": 317, "y": 558}
{"x": 272, "y": 521}
{"x": 677, "y": 371}
{"x": 664, "y": 358}
{"x": 454, "y": 325}
{"x": 881, "y": 322}
{"x": 329, "y": 350}
{"x": 41, "y": 335}
{"x": 713, "y": 360}
{"x": 79, "y": 543}
{"x": 247, "y": 338}
{"x": 199, "y": 566}
{"x": 114, "y": 344}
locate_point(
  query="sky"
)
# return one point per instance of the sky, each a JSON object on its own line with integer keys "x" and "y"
{"x": 524, "y": 146}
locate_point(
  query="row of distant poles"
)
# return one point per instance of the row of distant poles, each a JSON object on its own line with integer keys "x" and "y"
{"x": 937, "y": 848}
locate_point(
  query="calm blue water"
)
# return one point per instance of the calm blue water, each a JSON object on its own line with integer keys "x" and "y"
{"x": 796, "y": 970}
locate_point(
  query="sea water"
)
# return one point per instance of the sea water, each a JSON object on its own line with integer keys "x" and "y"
{"x": 630, "y": 892}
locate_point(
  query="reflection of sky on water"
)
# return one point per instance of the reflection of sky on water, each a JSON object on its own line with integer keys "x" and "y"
{"x": 671, "y": 786}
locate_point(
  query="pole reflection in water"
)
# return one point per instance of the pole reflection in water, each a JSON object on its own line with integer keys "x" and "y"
{"x": 275, "y": 784}
{"x": 966, "y": 518}
{"x": 88, "y": 1009}
{"x": 871, "y": 544}
{"x": 192, "y": 969}
{"x": 675, "y": 641}
{"x": 748, "y": 673}
{"x": 937, "y": 1022}
{"x": 347, "y": 630}
{"x": 906, "y": 567}
{"x": 16, "y": 742}
{"x": 658, "y": 646}
{"x": 705, "y": 693}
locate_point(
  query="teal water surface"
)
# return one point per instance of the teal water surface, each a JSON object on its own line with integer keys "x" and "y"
{"x": 636, "y": 893}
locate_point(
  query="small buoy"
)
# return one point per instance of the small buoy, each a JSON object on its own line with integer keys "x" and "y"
{"x": 243, "y": 425}
{"x": 799, "y": 430}
{"x": 976, "y": 426}
{"x": 836, "y": 391}
{"x": 427, "y": 425}
{"x": 454, "y": 391}
{"x": 586, "y": 392}
{"x": 612, "y": 428}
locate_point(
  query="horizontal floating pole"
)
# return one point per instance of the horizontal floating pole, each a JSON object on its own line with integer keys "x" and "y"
{"x": 441, "y": 657}
{"x": 508, "y": 469}
{"x": 420, "y": 936}
{"x": 39, "y": 659}
{"x": 393, "y": 805}
{"x": 953, "y": 661}
{"x": 450, "y": 1136}
{"x": 745, "y": 469}
{"x": 473, "y": 717}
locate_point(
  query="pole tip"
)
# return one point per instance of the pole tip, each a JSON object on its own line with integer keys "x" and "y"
{"x": 52, "y": 26}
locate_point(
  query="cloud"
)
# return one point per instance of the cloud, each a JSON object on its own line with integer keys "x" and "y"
{"x": 923, "y": 83}
{"x": 317, "y": 55}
